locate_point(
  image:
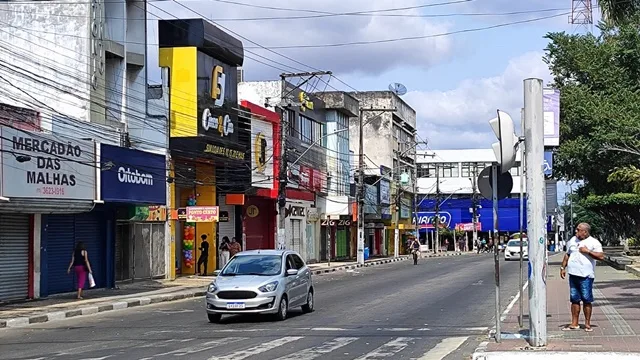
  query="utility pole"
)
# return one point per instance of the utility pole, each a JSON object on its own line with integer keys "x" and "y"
{"x": 536, "y": 209}
{"x": 436, "y": 241}
{"x": 522, "y": 175}
{"x": 284, "y": 126}
{"x": 414, "y": 181}
{"x": 474, "y": 199}
{"x": 360, "y": 254}
{"x": 496, "y": 252}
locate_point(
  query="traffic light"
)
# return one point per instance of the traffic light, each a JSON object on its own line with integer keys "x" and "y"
{"x": 505, "y": 148}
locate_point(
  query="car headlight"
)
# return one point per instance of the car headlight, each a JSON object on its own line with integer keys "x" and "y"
{"x": 272, "y": 286}
{"x": 212, "y": 288}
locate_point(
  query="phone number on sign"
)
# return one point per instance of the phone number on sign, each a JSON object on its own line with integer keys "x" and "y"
{"x": 50, "y": 190}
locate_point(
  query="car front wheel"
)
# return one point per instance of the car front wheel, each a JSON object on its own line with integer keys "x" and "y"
{"x": 283, "y": 309}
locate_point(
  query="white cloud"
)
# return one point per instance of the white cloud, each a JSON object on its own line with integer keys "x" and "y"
{"x": 372, "y": 59}
{"x": 458, "y": 118}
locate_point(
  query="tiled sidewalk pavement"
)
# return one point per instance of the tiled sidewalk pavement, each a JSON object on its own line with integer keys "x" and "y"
{"x": 615, "y": 319}
{"x": 135, "y": 294}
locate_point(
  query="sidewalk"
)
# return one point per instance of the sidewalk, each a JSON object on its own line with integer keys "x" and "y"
{"x": 139, "y": 293}
{"x": 615, "y": 320}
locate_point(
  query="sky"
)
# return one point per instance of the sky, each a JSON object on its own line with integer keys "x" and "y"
{"x": 456, "y": 73}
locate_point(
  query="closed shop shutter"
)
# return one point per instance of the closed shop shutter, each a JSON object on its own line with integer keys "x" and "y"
{"x": 296, "y": 236}
{"x": 227, "y": 228}
{"x": 62, "y": 233}
{"x": 341, "y": 243}
{"x": 14, "y": 256}
{"x": 59, "y": 247}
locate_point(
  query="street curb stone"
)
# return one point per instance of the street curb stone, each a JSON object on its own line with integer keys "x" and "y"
{"x": 632, "y": 270}
{"x": 161, "y": 298}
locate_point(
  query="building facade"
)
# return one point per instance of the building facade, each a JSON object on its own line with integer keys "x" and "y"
{"x": 305, "y": 117}
{"x": 337, "y": 238}
{"x": 390, "y": 142}
{"x": 66, "y": 196}
{"x": 210, "y": 137}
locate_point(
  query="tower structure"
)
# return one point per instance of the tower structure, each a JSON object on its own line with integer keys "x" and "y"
{"x": 581, "y": 15}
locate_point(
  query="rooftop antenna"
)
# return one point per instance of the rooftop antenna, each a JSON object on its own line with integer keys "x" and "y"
{"x": 398, "y": 89}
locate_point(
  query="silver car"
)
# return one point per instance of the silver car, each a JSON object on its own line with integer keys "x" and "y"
{"x": 261, "y": 282}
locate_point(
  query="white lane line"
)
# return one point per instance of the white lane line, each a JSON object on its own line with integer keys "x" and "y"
{"x": 388, "y": 350}
{"x": 394, "y": 329}
{"x": 192, "y": 349}
{"x": 327, "y": 329}
{"x": 164, "y": 343}
{"x": 98, "y": 358}
{"x": 317, "y": 351}
{"x": 258, "y": 349}
{"x": 481, "y": 328}
{"x": 444, "y": 348}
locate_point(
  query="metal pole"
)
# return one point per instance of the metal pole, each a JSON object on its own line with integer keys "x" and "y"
{"x": 329, "y": 229}
{"x": 414, "y": 180}
{"x": 496, "y": 257}
{"x": 521, "y": 283}
{"x": 475, "y": 204}
{"x": 436, "y": 241}
{"x": 536, "y": 211}
{"x": 398, "y": 207}
{"x": 360, "y": 255}
{"x": 282, "y": 177}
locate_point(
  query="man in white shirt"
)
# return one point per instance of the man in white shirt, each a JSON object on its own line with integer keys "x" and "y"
{"x": 580, "y": 262}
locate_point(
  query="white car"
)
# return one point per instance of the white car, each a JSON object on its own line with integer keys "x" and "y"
{"x": 512, "y": 250}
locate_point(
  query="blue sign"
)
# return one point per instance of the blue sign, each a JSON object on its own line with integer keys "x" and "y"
{"x": 448, "y": 219}
{"x": 132, "y": 176}
{"x": 548, "y": 163}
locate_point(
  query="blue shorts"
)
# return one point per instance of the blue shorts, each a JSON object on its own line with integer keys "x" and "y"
{"x": 581, "y": 289}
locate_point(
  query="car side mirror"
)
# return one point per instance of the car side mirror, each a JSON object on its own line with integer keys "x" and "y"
{"x": 216, "y": 272}
{"x": 292, "y": 272}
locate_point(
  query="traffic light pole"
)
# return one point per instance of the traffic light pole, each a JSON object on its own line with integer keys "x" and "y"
{"x": 536, "y": 211}
{"x": 496, "y": 251}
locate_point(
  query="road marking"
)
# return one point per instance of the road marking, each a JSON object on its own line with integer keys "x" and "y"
{"x": 394, "y": 329}
{"x": 317, "y": 351}
{"x": 245, "y": 330}
{"x": 387, "y": 350}
{"x": 481, "y": 328}
{"x": 444, "y": 348}
{"x": 424, "y": 329}
{"x": 327, "y": 329}
{"x": 258, "y": 349}
{"x": 164, "y": 343}
{"x": 192, "y": 349}
{"x": 98, "y": 358}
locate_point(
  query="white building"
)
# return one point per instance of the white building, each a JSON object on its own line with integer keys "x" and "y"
{"x": 456, "y": 168}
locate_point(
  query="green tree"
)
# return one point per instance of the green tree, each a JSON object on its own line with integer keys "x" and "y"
{"x": 599, "y": 81}
{"x": 629, "y": 174}
{"x": 619, "y": 12}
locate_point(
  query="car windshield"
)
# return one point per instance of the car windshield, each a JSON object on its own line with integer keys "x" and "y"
{"x": 516, "y": 243}
{"x": 263, "y": 265}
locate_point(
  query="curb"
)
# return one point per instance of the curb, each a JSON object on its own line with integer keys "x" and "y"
{"x": 633, "y": 270}
{"x": 559, "y": 355}
{"x": 194, "y": 292}
{"x": 100, "y": 308}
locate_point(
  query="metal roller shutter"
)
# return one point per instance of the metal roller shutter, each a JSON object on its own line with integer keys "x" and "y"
{"x": 228, "y": 228}
{"x": 89, "y": 229}
{"x": 296, "y": 236}
{"x": 14, "y": 256}
{"x": 59, "y": 247}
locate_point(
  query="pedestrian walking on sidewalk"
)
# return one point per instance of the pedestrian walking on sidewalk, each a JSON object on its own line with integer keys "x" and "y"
{"x": 204, "y": 255}
{"x": 81, "y": 266}
{"x": 580, "y": 262}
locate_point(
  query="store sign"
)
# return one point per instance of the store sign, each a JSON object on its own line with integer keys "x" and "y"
{"x": 224, "y": 216}
{"x": 551, "y": 105}
{"x": 427, "y": 219}
{"x": 305, "y": 101}
{"x": 39, "y": 165}
{"x": 295, "y": 211}
{"x": 202, "y": 213}
{"x": 370, "y": 199}
{"x": 132, "y": 176}
{"x": 253, "y": 211}
{"x": 306, "y": 178}
{"x": 262, "y": 173}
{"x": 468, "y": 226}
{"x": 293, "y": 176}
{"x": 548, "y": 163}
{"x": 150, "y": 213}
{"x": 385, "y": 192}
{"x": 405, "y": 212}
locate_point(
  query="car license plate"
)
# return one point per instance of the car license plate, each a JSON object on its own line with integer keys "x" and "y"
{"x": 235, "y": 305}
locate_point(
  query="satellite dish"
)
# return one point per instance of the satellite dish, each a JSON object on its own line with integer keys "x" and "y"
{"x": 398, "y": 89}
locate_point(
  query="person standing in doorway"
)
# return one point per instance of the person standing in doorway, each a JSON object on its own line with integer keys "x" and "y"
{"x": 234, "y": 247}
{"x": 81, "y": 266}
{"x": 580, "y": 262}
{"x": 204, "y": 254}
{"x": 224, "y": 251}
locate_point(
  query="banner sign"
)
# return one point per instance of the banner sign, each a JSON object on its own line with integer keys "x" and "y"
{"x": 39, "y": 165}
{"x": 427, "y": 219}
{"x": 548, "y": 163}
{"x": 468, "y": 226}
{"x": 262, "y": 174}
{"x": 551, "y": 101}
{"x": 202, "y": 214}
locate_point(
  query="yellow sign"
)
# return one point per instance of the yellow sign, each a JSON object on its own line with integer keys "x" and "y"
{"x": 223, "y": 151}
{"x": 218, "y": 85}
{"x": 253, "y": 211}
{"x": 260, "y": 152}
{"x": 306, "y": 103}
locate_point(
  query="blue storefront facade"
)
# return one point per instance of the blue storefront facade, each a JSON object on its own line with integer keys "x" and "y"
{"x": 127, "y": 177}
{"x": 457, "y": 211}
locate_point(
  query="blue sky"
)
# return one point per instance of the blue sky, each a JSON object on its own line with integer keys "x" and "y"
{"x": 455, "y": 82}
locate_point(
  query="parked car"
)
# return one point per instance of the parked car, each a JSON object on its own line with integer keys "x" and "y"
{"x": 512, "y": 250}
{"x": 261, "y": 282}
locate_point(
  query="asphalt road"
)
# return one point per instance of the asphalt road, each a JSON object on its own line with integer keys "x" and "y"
{"x": 441, "y": 308}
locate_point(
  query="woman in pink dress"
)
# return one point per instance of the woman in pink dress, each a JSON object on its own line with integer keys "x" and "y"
{"x": 81, "y": 266}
